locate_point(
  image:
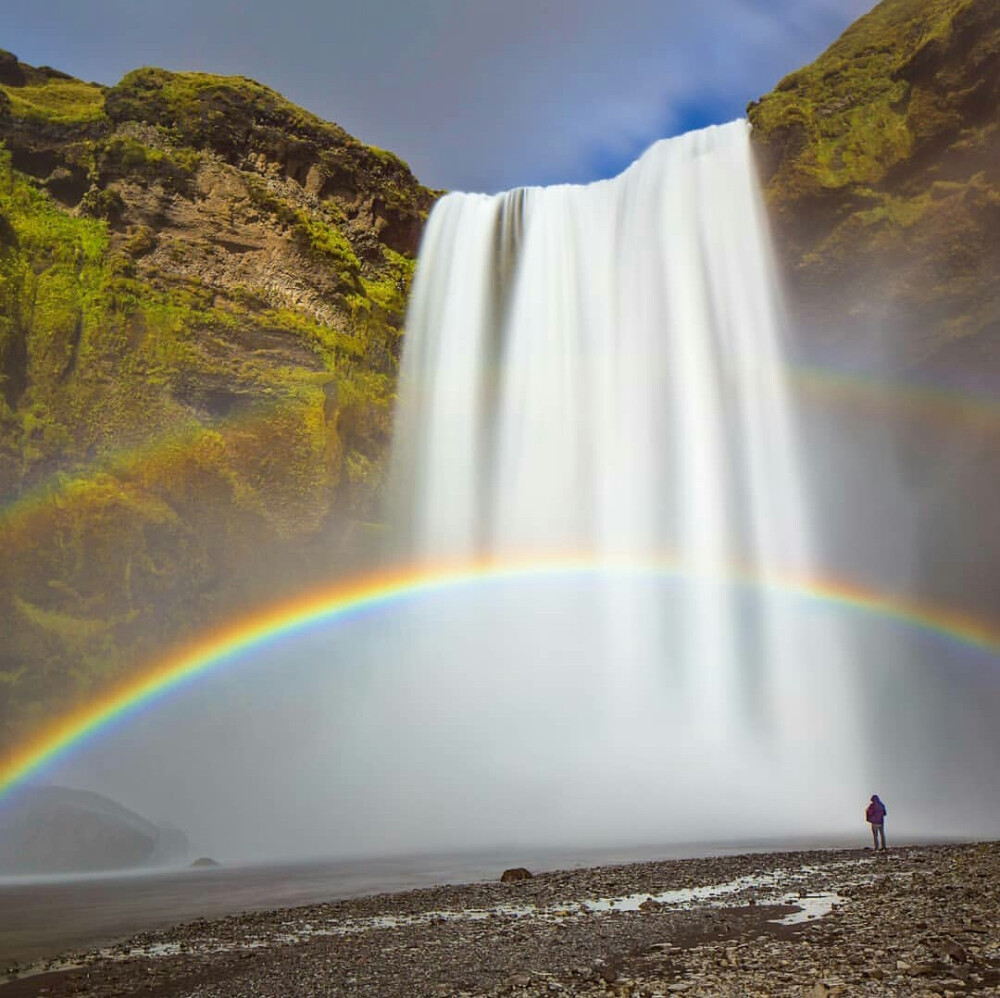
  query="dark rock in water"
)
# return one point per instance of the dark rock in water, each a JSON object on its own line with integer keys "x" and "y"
{"x": 514, "y": 874}
{"x": 205, "y": 861}
{"x": 56, "y": 830}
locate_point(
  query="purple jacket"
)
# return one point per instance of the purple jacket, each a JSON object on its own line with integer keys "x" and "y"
{"x": 876, "y": 812}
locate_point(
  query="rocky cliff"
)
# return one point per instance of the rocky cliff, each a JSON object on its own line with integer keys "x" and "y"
{"x": 202, "y": 289}
{"x": 881, "y": 162}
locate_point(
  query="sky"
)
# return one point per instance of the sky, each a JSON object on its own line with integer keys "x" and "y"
{"x": 473, "y": 94}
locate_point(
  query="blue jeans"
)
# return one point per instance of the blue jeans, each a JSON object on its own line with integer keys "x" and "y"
{"x": 877, "y": 830}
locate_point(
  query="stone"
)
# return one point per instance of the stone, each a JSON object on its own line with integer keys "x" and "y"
{"x": 514, "y": 874}
{"x": 607, "y": 969}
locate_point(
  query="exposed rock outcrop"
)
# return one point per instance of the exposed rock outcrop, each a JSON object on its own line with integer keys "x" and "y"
{"x": 882, "y": 168}
{"x": 202, "y": 289}
{"x": 514, "y": 874}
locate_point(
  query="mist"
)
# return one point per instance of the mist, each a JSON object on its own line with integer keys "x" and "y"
{"x": 339, "y": 745}
{"x": 638, "y": 706}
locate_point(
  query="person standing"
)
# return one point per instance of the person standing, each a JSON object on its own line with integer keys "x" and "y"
{"x": 875, "y": 816}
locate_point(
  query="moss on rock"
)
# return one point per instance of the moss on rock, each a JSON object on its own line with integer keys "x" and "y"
{"x": 880, "y": 162}
{"x": 56, "y": 100}
{"x": 202, "y": 291}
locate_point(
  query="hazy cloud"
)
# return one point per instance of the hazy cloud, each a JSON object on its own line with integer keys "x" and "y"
{"x": 474, "y": 94}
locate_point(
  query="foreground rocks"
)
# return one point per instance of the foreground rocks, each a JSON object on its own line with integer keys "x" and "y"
{"x": 920, "y": 921}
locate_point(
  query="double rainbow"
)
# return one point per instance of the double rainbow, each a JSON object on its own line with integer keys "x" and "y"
{"x": 234, "y": 642}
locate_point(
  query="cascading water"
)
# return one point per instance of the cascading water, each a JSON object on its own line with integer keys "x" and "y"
{"x": 594, "y": 392}
{"x": 596, "y": 373}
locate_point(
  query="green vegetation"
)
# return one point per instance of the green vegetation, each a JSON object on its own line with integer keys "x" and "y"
{"x": 391, "y": 291}
{"x": 124, "y": 155}
{"x": 200, "y": 322}
{"x": 387, "y": 158}
{"x": 329, "y": 244}
{"x": 203, "y": 109}
{"x": 313, "y": 233}
{"x": 57, "y": 100}
{"x": 103, "y": 560}
{"x": 51, "y": 270}
{"x": 848, "y": 118}
{"x": 880, "y": 164}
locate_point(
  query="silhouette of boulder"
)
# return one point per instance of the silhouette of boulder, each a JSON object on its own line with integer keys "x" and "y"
{"x": 514, "y": 874}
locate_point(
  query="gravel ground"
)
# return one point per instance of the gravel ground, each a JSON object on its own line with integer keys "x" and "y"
{"x": 918, "y": 921}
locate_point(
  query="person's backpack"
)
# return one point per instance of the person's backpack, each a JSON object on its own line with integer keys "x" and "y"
{"x": 874, "y": 813}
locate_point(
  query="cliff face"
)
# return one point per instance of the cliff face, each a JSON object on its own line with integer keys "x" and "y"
{"x": 882, "y": 169}
{"x": 201, "y": 295}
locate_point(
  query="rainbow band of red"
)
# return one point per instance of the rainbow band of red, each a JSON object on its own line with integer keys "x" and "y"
{"x": 233, "y": 642}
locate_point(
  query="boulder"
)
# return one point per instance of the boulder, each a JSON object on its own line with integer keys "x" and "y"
{"x": 514, "y": 874}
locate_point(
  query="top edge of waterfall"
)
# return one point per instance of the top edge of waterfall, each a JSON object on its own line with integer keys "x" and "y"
{"x": 652, "y": 150}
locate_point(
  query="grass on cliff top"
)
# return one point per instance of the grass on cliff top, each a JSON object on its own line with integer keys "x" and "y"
{"x": 60, "y": 101}
{"x": 192, "y": 101}
{"x": 850, "y": 103}
{"x": 204, "y": 107}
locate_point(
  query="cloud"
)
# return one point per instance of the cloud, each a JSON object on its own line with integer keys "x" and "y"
{"x": 474, "y": 94}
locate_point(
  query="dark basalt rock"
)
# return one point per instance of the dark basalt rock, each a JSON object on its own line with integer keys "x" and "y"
{"x": 11, "y": 72}
{"x": 515, "y": 874}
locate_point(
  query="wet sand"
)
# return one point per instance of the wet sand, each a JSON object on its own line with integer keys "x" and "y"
{"x": 921, "y": 920}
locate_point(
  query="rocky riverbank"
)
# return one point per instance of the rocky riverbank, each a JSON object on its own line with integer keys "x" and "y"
{"x": 918, "y": 921}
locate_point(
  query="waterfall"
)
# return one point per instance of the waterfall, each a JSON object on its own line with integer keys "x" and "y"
{"x": 596, "y": 372}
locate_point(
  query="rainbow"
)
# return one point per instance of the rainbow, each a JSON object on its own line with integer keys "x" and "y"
{"x": 826, "y": 385}
{"x": 343, "y": 600}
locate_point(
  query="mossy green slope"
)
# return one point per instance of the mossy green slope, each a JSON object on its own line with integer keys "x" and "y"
{"x": 882, "y": 168}
{"x": 202, "y": 290}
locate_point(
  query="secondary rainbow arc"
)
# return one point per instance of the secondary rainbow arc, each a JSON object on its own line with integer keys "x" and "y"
{"x": 234, "y": 641}
{"x": 946, "y": 404}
